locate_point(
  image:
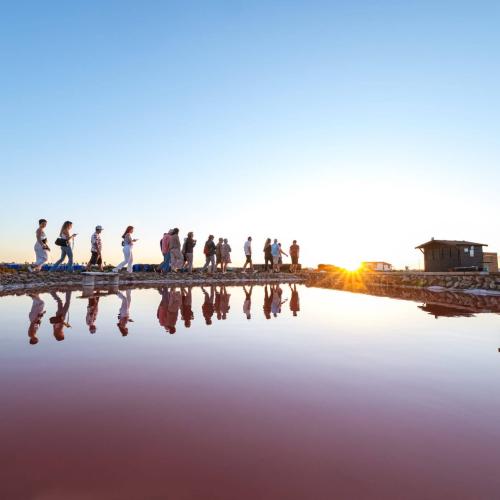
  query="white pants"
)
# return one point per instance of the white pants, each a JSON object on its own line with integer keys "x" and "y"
{"x": 128, "y": 259}
{"x": 41, "y": 254}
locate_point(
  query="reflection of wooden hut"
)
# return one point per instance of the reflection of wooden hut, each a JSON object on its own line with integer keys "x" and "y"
{"x": 449, "y": 255}
{"x": 376, "y": 266}
{"x": 449, "y": 311}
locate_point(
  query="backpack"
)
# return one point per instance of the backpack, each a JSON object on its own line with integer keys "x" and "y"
{"x": 206, "y": 249}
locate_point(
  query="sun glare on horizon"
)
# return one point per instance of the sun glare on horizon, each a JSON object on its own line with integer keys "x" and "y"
{"x": 351, "y": 266}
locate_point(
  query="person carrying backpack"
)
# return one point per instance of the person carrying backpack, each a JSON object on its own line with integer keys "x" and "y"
{"x": 165, "y": 250}
{"x": 188, "y": 250}
{"x": 209, "y": 251}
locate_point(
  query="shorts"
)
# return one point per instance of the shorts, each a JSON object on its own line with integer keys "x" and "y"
{"x": 276, "y": 259}
{"x": 96, "y": 259}
{"x": 249, "y": 259}
{"x": 295, "y": 260}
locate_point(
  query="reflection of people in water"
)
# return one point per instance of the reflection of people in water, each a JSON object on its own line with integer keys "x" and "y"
{"x": 208, "y": 305}
{"x": 217, "y": 303}
{"x": 163, "y": 307}
{"x": 247, "y": 305}
{"x": 268, "y": 299}
{"x": 224, "y": 302}
{"x": 174, "y": 304}
{"x": 187, "y": 310}
{"x": 59, "y": 320}
{"x": 92, "y": 310}
{"x": 294, "y": 300}
{"x": 276, "y": 301}
{"x": 124, "y": 313}
{"x": 36, "y": 315}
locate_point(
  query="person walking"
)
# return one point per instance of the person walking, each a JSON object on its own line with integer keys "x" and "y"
{"x": 275, "y": 252}
{"x": 176, "y": 259}
{"x": 280, "y": 260}
{"x": 209, "y": 251}
{"x": 268, "y": 257}
{"x": 218, "y": 254}
{"x": 188, "y": 252}
{"x": 294, "y": 255}
{"x": 41, "y": 247}
{"x": 165, "y": 250}
{"x": 65, "y": 241}
{"x": 225, "y": 255}
{"x": 247, "y": 247}
{"x": 127, "y": 244}
{"x": 95, "y": 250}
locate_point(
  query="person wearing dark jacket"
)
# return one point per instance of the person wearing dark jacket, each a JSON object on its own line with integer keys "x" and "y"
{"x": 209, "y": 252}
{"x": 188, "y": 250}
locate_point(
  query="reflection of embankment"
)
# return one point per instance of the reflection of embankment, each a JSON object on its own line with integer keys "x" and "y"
{"x": 437, "y": 303}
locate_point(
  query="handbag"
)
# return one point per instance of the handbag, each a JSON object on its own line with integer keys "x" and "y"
{"x": 61, "y": 242}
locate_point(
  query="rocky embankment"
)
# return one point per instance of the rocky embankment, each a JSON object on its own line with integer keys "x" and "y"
{"x": 451, "y": 281}
{"x": 22, "y": 281}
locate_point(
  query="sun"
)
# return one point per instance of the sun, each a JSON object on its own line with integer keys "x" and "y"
{"x": 352, "y": 266}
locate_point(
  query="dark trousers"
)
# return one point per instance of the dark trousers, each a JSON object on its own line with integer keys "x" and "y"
{"x": 268, "y": 259}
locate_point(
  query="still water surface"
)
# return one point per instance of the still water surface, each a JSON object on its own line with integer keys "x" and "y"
{"x": 233, "y": 393}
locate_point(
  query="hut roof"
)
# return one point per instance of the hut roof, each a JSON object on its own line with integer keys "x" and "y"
{"x": 452, "y": 243}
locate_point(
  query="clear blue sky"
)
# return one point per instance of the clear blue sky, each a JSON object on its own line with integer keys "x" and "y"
{"x": 360, "y": 128}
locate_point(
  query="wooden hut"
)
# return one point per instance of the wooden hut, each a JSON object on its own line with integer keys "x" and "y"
{"x": 452, "y": 255}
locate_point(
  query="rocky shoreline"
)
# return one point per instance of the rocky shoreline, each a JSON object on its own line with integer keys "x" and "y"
{"x": 450, "y": 281}
{"x": 22, "y": 282}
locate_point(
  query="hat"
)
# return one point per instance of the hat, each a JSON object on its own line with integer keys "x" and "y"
{"x": 98, "y": 228}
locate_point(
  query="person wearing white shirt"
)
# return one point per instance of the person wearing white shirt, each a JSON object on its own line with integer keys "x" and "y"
{"x": 96, "y": 249}
{"x": 248, "y": 254}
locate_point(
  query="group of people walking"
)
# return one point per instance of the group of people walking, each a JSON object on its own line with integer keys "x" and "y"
{"x": 177, "y": 257}
{"x": 218, "y": 255}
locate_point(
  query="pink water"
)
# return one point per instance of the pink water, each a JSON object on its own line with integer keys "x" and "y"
{"x": 353, "y": 397}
